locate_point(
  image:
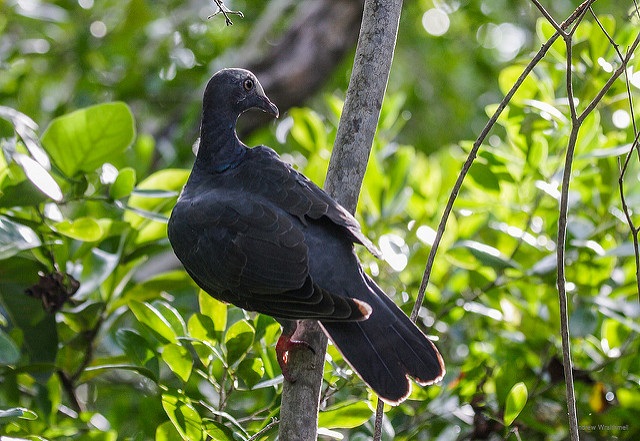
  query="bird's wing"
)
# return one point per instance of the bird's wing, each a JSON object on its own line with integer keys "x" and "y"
{"x": 246, "y": 251}
{"x": 300, "y": 197}
{"x": 233, "y": 242}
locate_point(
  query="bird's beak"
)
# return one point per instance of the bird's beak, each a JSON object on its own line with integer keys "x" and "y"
{"x": 266, "y": 105}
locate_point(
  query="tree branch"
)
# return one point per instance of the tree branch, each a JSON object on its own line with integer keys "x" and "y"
{"x": 354, "y": 139}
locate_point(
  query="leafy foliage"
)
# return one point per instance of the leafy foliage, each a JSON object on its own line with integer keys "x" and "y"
{"x": 113, "y": 343}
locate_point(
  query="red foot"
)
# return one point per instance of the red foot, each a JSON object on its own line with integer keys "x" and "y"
{"x": 283, "y": 347}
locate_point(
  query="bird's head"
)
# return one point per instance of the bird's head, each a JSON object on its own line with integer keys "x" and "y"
{"x": 236, "y": 91}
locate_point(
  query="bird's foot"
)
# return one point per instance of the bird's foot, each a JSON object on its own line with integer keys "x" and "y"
{"x": 284, "y": 347}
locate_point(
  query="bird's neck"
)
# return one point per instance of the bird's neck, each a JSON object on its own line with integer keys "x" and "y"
{"x": 219, "y": 146}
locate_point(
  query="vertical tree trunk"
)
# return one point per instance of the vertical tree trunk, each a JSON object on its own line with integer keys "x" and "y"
{"x": 376, "y": 43}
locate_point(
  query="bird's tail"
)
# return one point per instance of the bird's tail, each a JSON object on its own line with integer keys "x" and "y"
{"x": 386, "y": 348}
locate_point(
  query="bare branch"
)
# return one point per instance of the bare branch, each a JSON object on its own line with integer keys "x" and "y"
{"x": 353, "y": 143}
{"x": 222, "y": 9}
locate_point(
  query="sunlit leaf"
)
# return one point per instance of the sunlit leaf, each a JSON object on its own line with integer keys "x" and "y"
{"x": 345, "y": 415}
{"x": 39, "y": 176}
{"x": 238, "y": 340}
{"x": 202, "y": 327}
{"x": 219, "y": 432}
{"x": 17, "y": 413}
{"x": 85, "y": 139}
{"x": 178, "y": 359}
{"x": 15, "y": 237}
{"x": 214, "y": 309}
{"x": 172, "y": 317}
{"x": 251, "y": 370}
{"x": 152, "y": 319}
{"x": 516, "y": 400}
{"x": 124, "y": 183}
{"x": 184, "y": 417}
{"x": 86, "y": 229}
{"x": 167, "y": 432}
{"x": 597, "y": 399}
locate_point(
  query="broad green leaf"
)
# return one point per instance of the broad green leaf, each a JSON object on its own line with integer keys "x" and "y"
{"x": 238, "y": 340}
{"x": 167, "y": 432}
{"x": 214, "y": 309}
{"x": 21, "y": 194}
{"x": 137, "y": 348}
{"x": 516, "y": 400}
{"x": 39, "y": 176}
{"x": 219, "y": 432}
{"x": 85, "y": 229}
{"x": 100, "y": 367}
{"x": 202, "y": 327}
{"x": 178, "y": 359}
{"x": 172, "y": 317}
{"x": 152, "y": 319}
{"x": 508, "y": 77}
{"x": 251, "y": 370}
{"x": 345, "y": 416}
{"x": 157, "y": 193}
{"x": 124, "y": 183}
{"x": 184, "y": 417}
{"x": 83, "y": 140}
{"x": 15, "y": 237}
{"x": 9, "y": 351}
{"x": 484, "y": 177}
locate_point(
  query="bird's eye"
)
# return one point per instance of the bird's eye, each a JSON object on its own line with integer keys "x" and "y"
{"x": 248, "y": 84}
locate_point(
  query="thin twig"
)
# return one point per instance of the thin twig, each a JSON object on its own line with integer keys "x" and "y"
{"x": 576, "y": 123}
{"x": 222, "y": 9}
{"x": 274, "y": 422}
{"x": 474, "y": 151}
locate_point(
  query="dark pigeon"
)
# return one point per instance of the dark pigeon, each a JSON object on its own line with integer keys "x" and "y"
{"x": 254, "y": 232}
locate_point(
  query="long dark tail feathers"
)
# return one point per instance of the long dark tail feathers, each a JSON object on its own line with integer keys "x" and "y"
{"x": 387, "y": 349}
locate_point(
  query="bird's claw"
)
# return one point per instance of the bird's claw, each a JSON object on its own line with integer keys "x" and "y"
{"x": 284, "y": 347}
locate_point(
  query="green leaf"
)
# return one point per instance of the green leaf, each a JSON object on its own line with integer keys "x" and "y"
{"x": 218, "y": 431}
{"x": 152, "y": 319}
{"x": 516, "y": 400}
{"x": 172, "y": 317}
{"x": 238, "y": 340}
{"x": 251, "y": 370}
{"x": 85, "y": 229}
{"x": 484, "y": 177}
{"x": 345, "y": 416}
{"x": 178, "y": 359}
{"x": 167, "y": 432}
{"x": 83, "y": 140}
{"x": 15, "y": 237}
{"x": 486, "y": 254}
{"x": 94, "y": 370}
{"x": 124, "y": 183}
{"x": 202, "y": 327}
{"x": 184, "y": 417}
{"x": 22, "y": 194}
{"x": 214, "y": 309}
{"x": 9, "y": 351}
{"x": 18, "y": 413}
{"x": 308, "y": 129}
{"x": 135, "y": 346}
{"x": 39, "y": 176}
{"x": 157, "y": 193}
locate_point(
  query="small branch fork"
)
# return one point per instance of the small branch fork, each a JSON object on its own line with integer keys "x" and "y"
{"x": 565, "y": 30}
{"x": 222, "y": 9}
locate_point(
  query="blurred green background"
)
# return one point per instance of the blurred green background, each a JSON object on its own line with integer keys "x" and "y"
{"x": 100, "y": 108}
